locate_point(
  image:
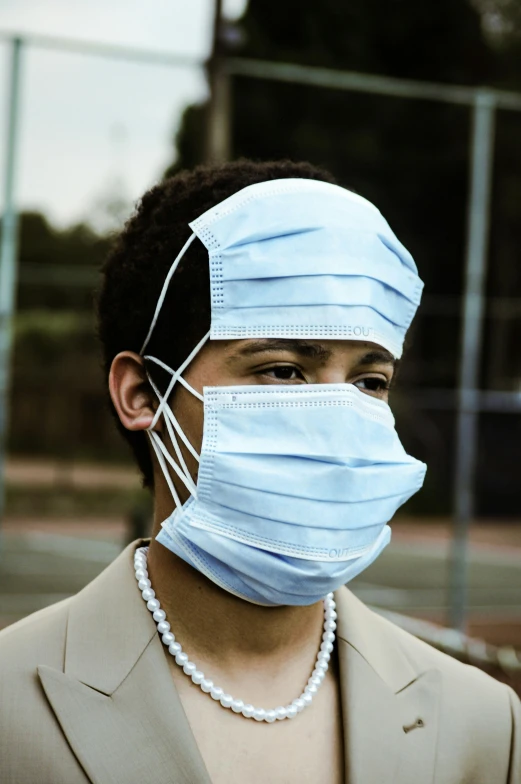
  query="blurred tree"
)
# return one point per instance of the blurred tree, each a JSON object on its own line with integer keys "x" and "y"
{"x": 58, "y": 268}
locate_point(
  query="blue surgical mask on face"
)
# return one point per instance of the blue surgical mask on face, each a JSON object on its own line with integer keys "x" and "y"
{"x": 296, "y": 484}
{"x": 295, "y": 487}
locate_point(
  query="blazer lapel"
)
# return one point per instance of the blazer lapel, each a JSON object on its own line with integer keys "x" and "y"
{"x": 116, "y": 701}
{"x": 390, "y": 711}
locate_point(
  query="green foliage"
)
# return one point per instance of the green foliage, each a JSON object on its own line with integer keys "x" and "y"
{"x": 58, "y": 268}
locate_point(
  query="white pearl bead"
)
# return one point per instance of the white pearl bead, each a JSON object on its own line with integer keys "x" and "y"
{"x": 207, "y": 685}
{"x": 216, "y": 693}
{"x": 291, "y": 711}
{"x": 168, "y": 638}
{"x": 330, "y": 595}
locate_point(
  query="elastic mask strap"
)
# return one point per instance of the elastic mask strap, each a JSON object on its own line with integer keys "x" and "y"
{"x": 165, "y": 289}
{"x": 161, "y": 460}
{"x": 170, "y": 418}
{"x": 185, "y": 476}
{"x": 164, "y": 409}
{"x": 175, "y": 376}
{"x": 173, "y": 425}
{"x": 156, "y": 439}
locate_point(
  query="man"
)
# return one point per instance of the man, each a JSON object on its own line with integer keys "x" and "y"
{"x": 251, "y": 317}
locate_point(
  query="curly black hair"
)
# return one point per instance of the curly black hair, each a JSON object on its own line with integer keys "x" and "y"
{"x": 136, "y": 268}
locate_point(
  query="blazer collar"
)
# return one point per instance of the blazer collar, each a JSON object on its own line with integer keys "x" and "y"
{"x": 116, "y": 693}
{"x": 390, "y": 709}
{"x": 116, "y": 701}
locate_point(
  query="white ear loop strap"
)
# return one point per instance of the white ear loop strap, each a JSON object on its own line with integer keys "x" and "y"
{"x": 164, "y": 468}
{"x": 163, "y": 408}
{"x": 170, "y": 418}
{"x": 188, "y": 481}
{"x": 165, "y": 289}
{"x": 175, "y": 377}
{"x": 159, "y": 443}
{"x": 181, "y": 380}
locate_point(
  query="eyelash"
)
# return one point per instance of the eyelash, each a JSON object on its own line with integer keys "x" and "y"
{"x": 382, "y": 385}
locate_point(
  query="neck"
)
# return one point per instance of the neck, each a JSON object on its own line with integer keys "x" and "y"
{"x": 210, "y": 622}
{"x": 263, "y": 654}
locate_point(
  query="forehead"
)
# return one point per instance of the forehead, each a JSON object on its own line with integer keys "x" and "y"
{"x": 312, "y": 349}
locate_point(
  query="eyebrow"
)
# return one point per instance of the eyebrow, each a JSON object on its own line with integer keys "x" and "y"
{"x": 377, "y": 357}
{"x": 303, "y": 348}
{"x": 310, "y": 350}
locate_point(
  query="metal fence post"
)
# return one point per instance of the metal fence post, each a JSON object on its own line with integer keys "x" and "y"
{"x": 483, "y": 121}
{"x": 8, "y": 254}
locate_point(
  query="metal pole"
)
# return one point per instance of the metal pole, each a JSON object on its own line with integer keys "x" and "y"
{"x": 8, "y": 255}
{"x": 473, "y": 305}
{"x": 217, "y": 132}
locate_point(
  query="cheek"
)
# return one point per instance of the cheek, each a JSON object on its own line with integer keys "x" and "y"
{"x": 189, "y": 412}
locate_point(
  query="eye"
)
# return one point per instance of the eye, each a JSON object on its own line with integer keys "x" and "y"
{"x": 283, "y": 373}
{"x": 375, "y": 385}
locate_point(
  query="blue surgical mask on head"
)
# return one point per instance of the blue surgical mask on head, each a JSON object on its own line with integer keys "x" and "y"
{"x": 296, "y": 484}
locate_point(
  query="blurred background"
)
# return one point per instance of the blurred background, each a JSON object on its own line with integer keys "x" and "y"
{"x": 416, "y": 106}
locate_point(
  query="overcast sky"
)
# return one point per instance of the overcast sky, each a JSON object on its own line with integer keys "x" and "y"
{"x": 92, "y": 128}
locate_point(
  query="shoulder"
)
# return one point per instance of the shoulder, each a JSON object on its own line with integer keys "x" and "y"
{"x": 476, "y": 711}
{"x": 462, "y": 678}
{"x": 479, "y": 716}
{"x": 24, "y": 646}
{"x": 37, "y": 639}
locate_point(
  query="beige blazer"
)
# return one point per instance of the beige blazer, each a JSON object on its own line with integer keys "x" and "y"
{"x": 86, "y": 696}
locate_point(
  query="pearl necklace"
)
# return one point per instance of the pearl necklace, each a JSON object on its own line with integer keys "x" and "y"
{"x": 206, "y": 685}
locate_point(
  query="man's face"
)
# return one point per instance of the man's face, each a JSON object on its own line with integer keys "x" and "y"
{"x": 276, "y": 361}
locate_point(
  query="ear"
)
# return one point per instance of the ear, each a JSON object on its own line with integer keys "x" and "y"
{"x": 130, "y": 391}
